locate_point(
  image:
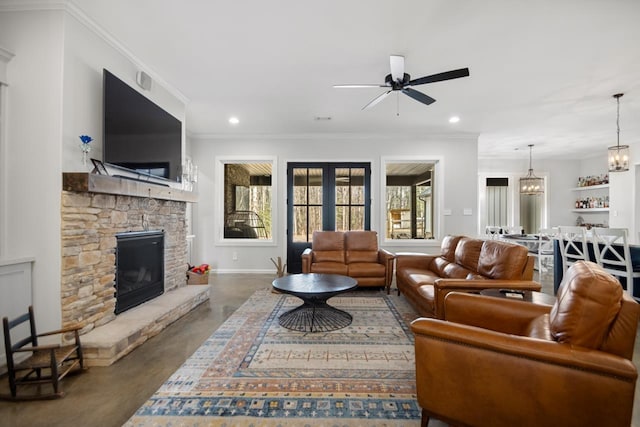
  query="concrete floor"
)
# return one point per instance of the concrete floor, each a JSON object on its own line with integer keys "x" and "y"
{"x": 108, "y": 396}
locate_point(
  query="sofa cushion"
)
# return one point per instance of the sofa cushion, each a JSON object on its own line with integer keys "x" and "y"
{"x": 468, "y": 252}
{"x": 455, "y": 271}
{"x": 588, "y": 301}
{"x": 417, "y": 277}
{"x": 539, "y": 328}
{"x": 361, "y": 246}
{"x": 366, "y": 269}
{"x": 438, "y": 265}
{"x": 328, "y": 246}
{"x": 493, "y": 263}
{"x": 329, "y": 268}
{"x": 448, "y": 247}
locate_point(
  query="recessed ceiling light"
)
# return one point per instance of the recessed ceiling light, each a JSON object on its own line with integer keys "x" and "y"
{"x": 454, "y": 119}
{"x": 234, "y": 120}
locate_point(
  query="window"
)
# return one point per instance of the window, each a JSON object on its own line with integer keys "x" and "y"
{"x": 409, "y": 199}
{"x": 248, "y": 199}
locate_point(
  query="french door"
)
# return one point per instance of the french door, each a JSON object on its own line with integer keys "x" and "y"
{"x": 324, "y": 196}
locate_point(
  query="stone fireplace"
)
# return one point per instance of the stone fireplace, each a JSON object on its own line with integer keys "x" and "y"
{"x": 95, "y": 211}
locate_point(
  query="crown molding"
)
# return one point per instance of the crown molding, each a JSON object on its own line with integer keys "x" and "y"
{"x": 69, "y": 7}
{"x": 335, "y": 136}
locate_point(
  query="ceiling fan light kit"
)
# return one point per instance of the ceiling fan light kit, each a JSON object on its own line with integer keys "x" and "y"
{"x": 618, "y": 154}
{"x": 400, "y": 81}
{"x": 531, "y": 185}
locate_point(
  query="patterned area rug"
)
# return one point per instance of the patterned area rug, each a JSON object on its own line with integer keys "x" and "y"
{"x": 253, "y": 372}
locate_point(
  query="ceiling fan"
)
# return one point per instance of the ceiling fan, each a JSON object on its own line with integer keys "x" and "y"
{"x": 398, "y": 80}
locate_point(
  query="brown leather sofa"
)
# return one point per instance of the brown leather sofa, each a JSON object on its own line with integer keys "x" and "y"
{"x": 465, "y": 265}
{"x": 505, "y": 363}
{"x": 351, "y": 253}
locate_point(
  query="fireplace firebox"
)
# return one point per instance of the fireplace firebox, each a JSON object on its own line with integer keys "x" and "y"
{"x": 139, "y": 268}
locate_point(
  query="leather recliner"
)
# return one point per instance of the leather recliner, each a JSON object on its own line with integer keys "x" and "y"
{"x": 351, "y": 253}
{"x": 499, "y": 362}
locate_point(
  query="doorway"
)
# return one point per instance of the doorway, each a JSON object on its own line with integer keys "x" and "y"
{"x": 324, "y": 197}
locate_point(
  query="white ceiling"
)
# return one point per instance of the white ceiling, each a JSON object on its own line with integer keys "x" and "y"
{"x": 542, "y": 71}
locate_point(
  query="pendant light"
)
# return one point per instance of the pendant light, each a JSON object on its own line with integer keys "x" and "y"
{"x": 531, "y": 184}
{"x": 618, "y": 154}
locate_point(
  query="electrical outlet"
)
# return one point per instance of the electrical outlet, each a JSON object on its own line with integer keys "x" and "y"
{"x": 235, "y": 256}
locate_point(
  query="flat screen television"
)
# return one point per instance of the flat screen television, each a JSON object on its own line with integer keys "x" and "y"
{"x": 138, "y": 134}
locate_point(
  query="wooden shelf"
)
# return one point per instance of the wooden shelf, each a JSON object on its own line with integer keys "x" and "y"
{"x": 94, "y": 183}
{"x": 591, "y": 210}
{"x": 591, "y": 187}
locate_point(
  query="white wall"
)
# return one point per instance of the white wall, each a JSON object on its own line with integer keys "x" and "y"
{"x": 560, "y": 176}
{"x": 33, "y": 153}
{"x": 55, "y": 95}
{"x": 459, "y": 182}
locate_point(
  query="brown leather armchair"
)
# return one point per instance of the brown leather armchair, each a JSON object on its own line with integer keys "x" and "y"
{"x": 502, "y": 362}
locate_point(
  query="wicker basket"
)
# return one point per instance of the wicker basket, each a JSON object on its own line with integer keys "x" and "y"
{"x": 197, "y": 279}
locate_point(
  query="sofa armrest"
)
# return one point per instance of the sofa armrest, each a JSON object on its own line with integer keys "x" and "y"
{"x": 387, "y": 259}
{"x": 413, "y": 260}
{"x": 307, "y": 256}
{"x": 458, "y": 364}
{"x": 442, "y": 287}
{"x": 489, "y": 312}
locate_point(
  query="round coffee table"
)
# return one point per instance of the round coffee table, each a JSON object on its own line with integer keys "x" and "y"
{"x": 314, "y": 315}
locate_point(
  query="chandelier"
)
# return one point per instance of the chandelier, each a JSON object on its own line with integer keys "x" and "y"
{"x": 618, "y": 154}
{"x": 531, "y": 184}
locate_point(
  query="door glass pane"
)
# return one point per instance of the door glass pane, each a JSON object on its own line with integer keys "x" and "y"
{"x": 315, "y": 186}
{"x": 357, "y": 186}
{"x": 300, "y": 180}
{"x": 299, "y": 224}
{"x": 342, "y": 218}
{"x": 349, "y": 191}
{"x": 342, "y": 186}
{"x": 315, "y": 220}
{"x": 357, "y": 218}
{"x": 307, "y": 201}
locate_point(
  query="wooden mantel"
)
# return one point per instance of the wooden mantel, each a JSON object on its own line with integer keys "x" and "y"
{"x": 94, "y": 183}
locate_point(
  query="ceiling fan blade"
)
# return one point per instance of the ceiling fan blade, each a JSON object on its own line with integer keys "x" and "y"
{"x": 418, "y": 96}
{"x": 397, "y": 67}
{"x": 376, "y": 100}
{"x": 447, "y": 75}
{"x": 356, "y": 86}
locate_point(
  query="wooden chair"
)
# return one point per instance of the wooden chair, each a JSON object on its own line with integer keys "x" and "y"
{"x": 611, "y": 247}
{"x": 29, "y": 363}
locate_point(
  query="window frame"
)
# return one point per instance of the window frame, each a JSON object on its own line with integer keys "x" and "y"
{"x": 437, "y": 198}
{"x": 220, "y": 162}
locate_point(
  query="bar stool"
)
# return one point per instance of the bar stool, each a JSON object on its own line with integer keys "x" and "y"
{"x": 546, "y": 236}
{"x": 611, "y": 246}
{"x": 573, "y": 245}
{"x": 493, "y": 231}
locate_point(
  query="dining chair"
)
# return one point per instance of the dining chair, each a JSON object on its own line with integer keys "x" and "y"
{"x": 546, "y": 237}
{"x": 611, "y": 247}
{"x": 573, "y": 245}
